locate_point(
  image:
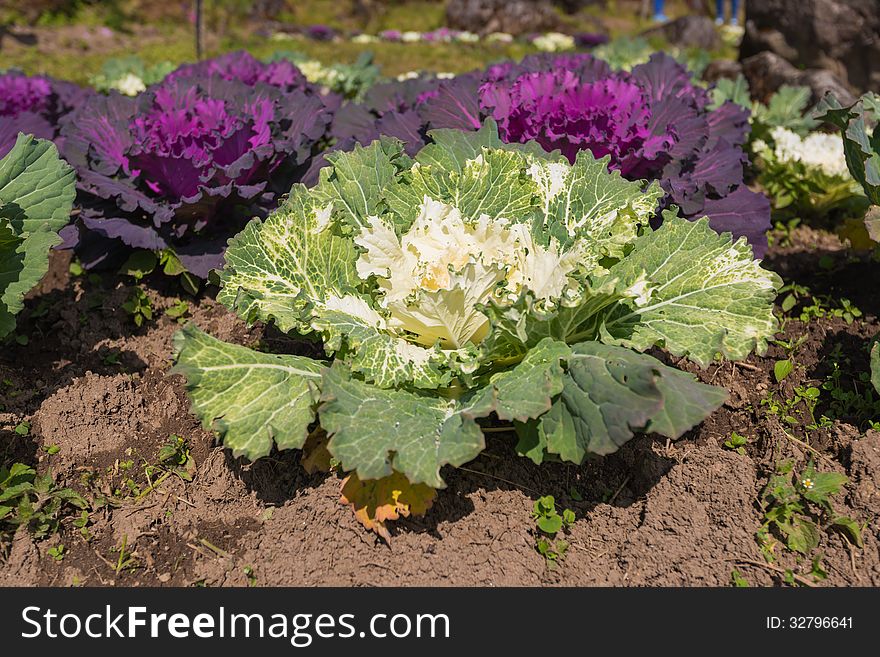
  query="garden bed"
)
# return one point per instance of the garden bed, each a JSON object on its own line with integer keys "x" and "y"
{"x": 90, "y": 398}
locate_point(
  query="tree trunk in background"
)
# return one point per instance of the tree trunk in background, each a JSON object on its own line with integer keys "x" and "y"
{"x": 200, "y": 34}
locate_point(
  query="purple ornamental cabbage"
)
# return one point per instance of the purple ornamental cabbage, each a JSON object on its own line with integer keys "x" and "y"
{"x": 391, "y": 35}
{"x": 652, "y": 122}
{"x": 320, "y": 33}
{"x": 183, "y": 165}
{"x": 590, "y": 39}
{"x": 242, "y": 66}
{"x": 34, "y": 105}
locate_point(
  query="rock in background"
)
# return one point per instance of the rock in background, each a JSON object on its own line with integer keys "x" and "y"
{"x": 688, "y": 32}
{"x": 829, "y": 45}
{"x": 511, "y": 16}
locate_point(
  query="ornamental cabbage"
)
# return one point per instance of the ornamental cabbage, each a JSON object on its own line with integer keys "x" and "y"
{"x": 180, "y": 167}
{"x": 243, "y": 67}
{"x": 807, "y": 177}
{"x": 477, "y": 281}
{"x": 36, "y": 195}
{"x": 389, "y": 108}
{"x": 653, "y": 122}
{"x": 34, "y": 105}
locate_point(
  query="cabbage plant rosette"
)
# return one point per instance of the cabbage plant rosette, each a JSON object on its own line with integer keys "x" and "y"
{"x": 476, "y": 283}
{"x": 807, "y": 177}
{"x": 180, "y": 168}
{"x": 34, "y": 105}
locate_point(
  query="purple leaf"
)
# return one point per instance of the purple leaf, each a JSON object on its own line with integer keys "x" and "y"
{"x": 742, "y": 212}
{"x": 133, "y": 235}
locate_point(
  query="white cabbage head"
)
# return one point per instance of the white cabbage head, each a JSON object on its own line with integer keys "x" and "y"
{"x": 434, "y": 277}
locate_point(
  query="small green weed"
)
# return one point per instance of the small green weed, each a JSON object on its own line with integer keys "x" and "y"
{"x": 549, "y": 523}
{"x": 737, "y": 443}
{"x": 139, "y": 307}
{"x": 799, "y": 410}
{"x": 797, "y": 510}
{"x": 125, "y": 559}
{"x": 32, "y": 500}
{"x": 852, "y": 396}
{"x": 178, "y": 311}
{"x": 816, "y": 306}
{"x": 737, "y": 580}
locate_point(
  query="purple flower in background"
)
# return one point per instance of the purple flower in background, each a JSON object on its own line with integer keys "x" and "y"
{"x": 320, "y": 33}
{"x": 391, "y": 35}
{"x": 441, "y": 34}
{"x": 590, "y": 39}
{"x": 185, "y": 163}
{"x": 653, "y": 123}
{"x": 34, "y": 105}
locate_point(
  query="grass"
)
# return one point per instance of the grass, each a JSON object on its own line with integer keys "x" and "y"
{"x": 177, "y": 46}
{"x": 70, "y": 54}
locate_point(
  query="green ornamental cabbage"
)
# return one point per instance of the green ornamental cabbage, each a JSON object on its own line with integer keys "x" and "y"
{"x": 479, "y": 281}
{"x": 36, "y": 195}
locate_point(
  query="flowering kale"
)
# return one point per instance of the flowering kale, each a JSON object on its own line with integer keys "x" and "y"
{"x": 321, "y": 32}
{"x": 242, "y": 66}
{"x": 653, "y": 122}
{"x": 168, "y": 170}
{"x": 477, "y": 281}
{"x": 33, "y": 105}
{"x": 391, "y": 35}
{"x": 590, "y": 39}
{"x": 807, "y": 177}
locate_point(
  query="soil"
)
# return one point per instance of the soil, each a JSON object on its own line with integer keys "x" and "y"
{"x": 101, "y": 402}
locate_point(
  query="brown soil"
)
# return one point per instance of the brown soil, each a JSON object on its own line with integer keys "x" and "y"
{"x": 655, "y": 513}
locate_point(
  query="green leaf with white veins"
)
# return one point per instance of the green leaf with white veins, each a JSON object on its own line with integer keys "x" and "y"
{"x": 353, "y": 186}
{"x": 23, "y": 262}
{"x": 36, "y": 186}
{"x": 385, "y": 360}
{"x": 451, "y": 149}
{"x": 492, "y": 184}
{"x": 36, "y": 194}
{"x": 703, "y": 294}
{"x": 250, "y": 398}
{"x": 588, "y": 199}
{"x": 376, "y": 431}
{"x": 278, "y": 268}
